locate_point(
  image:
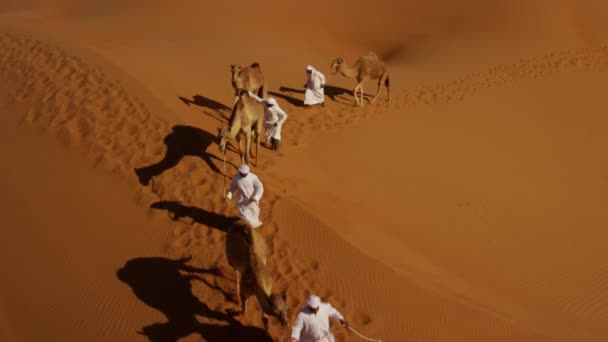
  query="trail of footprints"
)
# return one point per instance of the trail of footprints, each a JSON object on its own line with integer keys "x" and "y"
{"x": 80, "y": 105}
{"x": 553, "y": 63}
{"x": 339, "y": 116}
{"x": 301, "y": 127}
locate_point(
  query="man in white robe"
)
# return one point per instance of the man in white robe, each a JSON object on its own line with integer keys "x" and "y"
{"x": 314, "y": 88}
{"x": 250, "y": 191}
{"x": 312, "y": 323}
{"x": 274, "y": 118}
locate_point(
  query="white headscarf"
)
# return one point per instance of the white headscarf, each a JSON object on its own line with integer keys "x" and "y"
{"x": 272, "y": 101}
{"x": 244, "y": 169}
{"x": 313, "y": 302}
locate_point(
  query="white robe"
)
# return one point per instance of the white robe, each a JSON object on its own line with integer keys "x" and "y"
{"x": 248, "y": 187}
{"x": 272, "y": 114}
{"x": 314, "y": 92}
{"x": 310, "y": 327}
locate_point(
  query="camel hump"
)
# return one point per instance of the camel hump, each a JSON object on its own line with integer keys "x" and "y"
{"x": 252, "y": 238}
{"x": 243, "y": 230}
{"x": 372, "y": 54}
{"x": 255, "y": 65}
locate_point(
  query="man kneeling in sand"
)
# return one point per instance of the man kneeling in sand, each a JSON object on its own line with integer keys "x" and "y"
{"x": 312, "y": 323}
{"x": 314, "y": 93}
{"x": 250, "y": 191}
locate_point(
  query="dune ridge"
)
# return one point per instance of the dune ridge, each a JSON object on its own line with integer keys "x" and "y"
{"x": 162, "y": 153}
{"x": 134, "y": 119}
{"x": 77, "y": 101}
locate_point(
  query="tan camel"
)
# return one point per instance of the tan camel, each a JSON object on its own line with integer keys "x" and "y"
{"x": 368, "y": 67}
{"x": 249, "y": 78}
{"x": 246, "y": 119}
{"x": 246, "y": 252}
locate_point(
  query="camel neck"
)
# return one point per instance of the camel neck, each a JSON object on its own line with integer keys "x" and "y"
{"x": 347, "y": 71}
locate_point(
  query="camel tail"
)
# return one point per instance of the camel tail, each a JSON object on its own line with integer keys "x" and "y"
{"x": 387, "y": 83}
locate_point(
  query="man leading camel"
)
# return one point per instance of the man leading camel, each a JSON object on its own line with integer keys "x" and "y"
{"x": 314, "y": 88}
{"x": 274, "y": 118}
{"x": 250, "y": 191}
{"x": 312, "y": 323}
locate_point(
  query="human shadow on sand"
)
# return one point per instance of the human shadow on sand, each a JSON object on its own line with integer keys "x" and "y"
{"x": 290, "y": 99}
{"x": 182, "y": 141}
{"x": 332, "y": 92}
{"x": 177, "y": 210}
{"x": 159, "y": 283}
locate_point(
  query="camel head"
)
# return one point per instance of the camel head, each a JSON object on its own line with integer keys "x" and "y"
{"x": 235, "y": 70}
{"x": 279, "y": 308}
{"x": 222, "y": 135}
{"x": 336, "y": 65}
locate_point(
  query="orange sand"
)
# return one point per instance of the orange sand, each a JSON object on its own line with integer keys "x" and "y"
{"x": 473, "y": 208}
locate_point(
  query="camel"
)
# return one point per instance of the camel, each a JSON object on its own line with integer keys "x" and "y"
{"x": 249, "y": 78}
{"x": 246, "y": 252}
{"x": 367, "y": 67}
{"x": 247, "y": 119}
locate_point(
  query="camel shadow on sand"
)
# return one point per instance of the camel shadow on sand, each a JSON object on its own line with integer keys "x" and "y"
{"x": 213, "y": 105}
{"x": 177, "y": 210}
{"x": 182, "y": 141}
{"x": 336, "y": 94}
{"x": 164, "y": 285}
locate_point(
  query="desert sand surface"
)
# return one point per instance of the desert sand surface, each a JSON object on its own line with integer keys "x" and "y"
{"x": 473, "y": 207}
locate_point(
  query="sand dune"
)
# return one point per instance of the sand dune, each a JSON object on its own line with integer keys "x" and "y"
{"x": 470, "y": 209}
{"x": 504, "y": 203}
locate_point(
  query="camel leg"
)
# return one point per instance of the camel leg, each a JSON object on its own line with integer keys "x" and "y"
{"x": 254, "y": 140}
{"x": 248, "y": 147}
{"x": 257, "y": 146}
{"x": 382, "y": 79}
{"x": 238, "y": 283}
{"x": 355, "y": 93}
{"x": 238, "y": 140}
{"x": 244, "y": 305}
{"x": 361, "y": 90}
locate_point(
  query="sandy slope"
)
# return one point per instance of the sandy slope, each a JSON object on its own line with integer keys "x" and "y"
{"x": 493, "y": 232}
{"x": 67, "y": 230}
{"x": 520, "y": 212}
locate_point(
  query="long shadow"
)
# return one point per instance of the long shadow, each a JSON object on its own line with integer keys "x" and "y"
{"x": 291, "y": 100}
{"x": 291, "y": 90}
{"x": 331, "y": 91}
{"x": 178, "y": 210}
{"x": 159, "y": 283}
{"x": 182, "y": 141}
{"x": 167, "y": 332}
{"x": 205, "y": 102}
